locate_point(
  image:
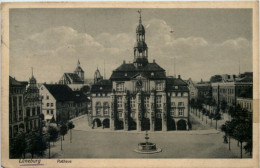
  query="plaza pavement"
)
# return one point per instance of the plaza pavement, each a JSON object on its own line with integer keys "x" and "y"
{"x": 98, "y": 143}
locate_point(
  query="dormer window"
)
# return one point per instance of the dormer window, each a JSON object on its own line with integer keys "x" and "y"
{"x": 100, "y": 88}
{"x": 152, "y": 74}
{"x": 125, "y": 74}
{"x": 176, "y": 87}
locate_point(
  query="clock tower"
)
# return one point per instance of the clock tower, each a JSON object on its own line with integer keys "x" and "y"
{"x": 140, "y": 48}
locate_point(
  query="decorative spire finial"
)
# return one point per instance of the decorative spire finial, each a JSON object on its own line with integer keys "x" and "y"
{"x": 140, "y": 20}
{"x": 32, "y": 71}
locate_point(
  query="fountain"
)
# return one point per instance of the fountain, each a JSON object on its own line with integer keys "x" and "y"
{"x": 147, "y": 147}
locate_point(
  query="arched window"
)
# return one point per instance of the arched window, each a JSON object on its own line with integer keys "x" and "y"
{"x": 106, "y": 108}
{"x": 98, "y": 108}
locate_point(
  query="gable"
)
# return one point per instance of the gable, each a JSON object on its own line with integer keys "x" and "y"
{"x": 139, "y": 76}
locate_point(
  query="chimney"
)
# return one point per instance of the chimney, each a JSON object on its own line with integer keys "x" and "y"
{"x": 179, "y": 76}
{"x": 153, "y": 60}
{"x": 124, "y": 62}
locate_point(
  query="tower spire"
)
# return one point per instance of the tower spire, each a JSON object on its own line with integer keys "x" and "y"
{"x": 32, "y": 71}
{"x": 140, "y": 48}
{"x": 140, "y": 18}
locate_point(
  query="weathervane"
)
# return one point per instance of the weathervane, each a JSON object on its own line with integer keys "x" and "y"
{"x": 139, "y": 11}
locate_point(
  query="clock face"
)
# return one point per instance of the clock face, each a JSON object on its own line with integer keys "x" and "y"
{"x": 139, "y": 84}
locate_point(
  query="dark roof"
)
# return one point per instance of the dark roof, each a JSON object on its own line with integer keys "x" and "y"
{"x": 176, "y": 84}
{"x": 60, "y": 92}
{"x": 14, "y": 82}
{"x": 102, "y": 86}
{"x": 72, "y": 76}
{"x": 80, "y": 97}
{"x": 128, "y": 71}
{"x": 246, "y": 79}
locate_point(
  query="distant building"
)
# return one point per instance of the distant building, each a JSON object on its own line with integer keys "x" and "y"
{"x": 73, "y": 78}
{"x": 60, "y": 102}
{"x": 204, "y": 89}
{"x": 32, "y": 105}
{"x": 192, "y": 89}
{"x": 246, "y": 103}
{"x": 16, "y": 106}
{"x": 199, "y": 90}
{"x": 97, "y": 76}
{"x": 139, "y": 95}
{"x": 229, "y": 91}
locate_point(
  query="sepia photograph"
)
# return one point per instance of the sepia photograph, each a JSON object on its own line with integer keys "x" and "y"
{"x": 130, "y": 83}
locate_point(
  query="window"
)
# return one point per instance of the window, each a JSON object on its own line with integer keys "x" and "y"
{"x": 98, "y": 108}
{"x": 132, "y": 102}
{"x": 48, "y": 112}
{"x": 181, "y": 104}
{"x": 47, "y": 97}
{"x": 98, "y": 111}
{"x": 158, "y": 86}
{"x": 105, "y": 111}
{"x": 33, "y": 111}
{"x": 27, "y": 112}
{"x": 119, "y": 101}
{"x": 48, "y": 104}
{"x": 106, "y": 108}
{"x": 38, "y": 110}
{"x": 159, "y": 115}
{"x": 146, "y": 102}
{"x": 120, "y": 114}
{"x": 181, "y": 111}
{"x": 133, "y": 114}
{"x": 20, "y": 100}
{"x": 152, "y": 74}
{"x": 158, "y": 101}
{"x": 173, "y": 104}
{"x": 51, "y": 111}
{"x": 51, "y": 104}
{"x": 146, "y": 114}
{"x": 172, "y": 111}
{"x": 119, "y": 86}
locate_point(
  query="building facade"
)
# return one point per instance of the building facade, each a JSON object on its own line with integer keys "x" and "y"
{"x": 231, "y": 90}
{"x": 62, "y": 103}
{"x": 193, "y": 89}
{"x": 73, "y": 78}
{"x": 246, "y": 103}
{"x": 16, "y": 106}
{"x": 32, "y": 105}
{"x": 139, "y": 96}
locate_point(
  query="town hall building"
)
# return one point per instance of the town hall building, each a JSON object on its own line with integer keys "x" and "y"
{"x": 139, "y": 96}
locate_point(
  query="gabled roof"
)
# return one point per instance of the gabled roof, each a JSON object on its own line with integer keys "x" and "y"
{"x": 60, "y": 92}
{"x": 176, "y": 84}
{"x": 128, "y": 71}
{"x": 14, "y": 82}
{"x": 78, "y": 69}
{"x": 102, "y": 86}
{"x": 72, "y": 77}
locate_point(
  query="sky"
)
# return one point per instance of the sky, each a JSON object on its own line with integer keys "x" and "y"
{"x": 204, "y": 42}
